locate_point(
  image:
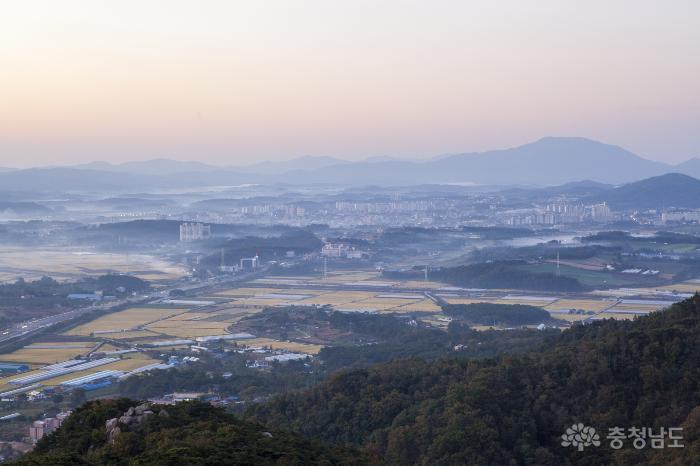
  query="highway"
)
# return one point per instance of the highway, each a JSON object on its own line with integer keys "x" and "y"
{"x": 35, "y": 326}
{"x": 26, "y": 328}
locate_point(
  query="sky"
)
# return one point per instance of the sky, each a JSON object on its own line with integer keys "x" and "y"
{"x": 236, "y": 82}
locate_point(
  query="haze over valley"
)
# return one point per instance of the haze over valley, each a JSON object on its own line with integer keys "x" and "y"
{"x": 350, "y": 233}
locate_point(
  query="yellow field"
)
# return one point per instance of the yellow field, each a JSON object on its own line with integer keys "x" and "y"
{"x": 127, "y": 335}
{"x": 164, "y": 325}
{"x": 264, "y": 302}
{"x": 190, "y": 320}
{"x": 232, "y": 318}
{"x": 293, "y": 346}
{"x": 188, "y": 332}
{"x": 187, "y": 316}
{"x": 339, "y": 297}
{"x": 63, "y": 263}
{"x": 236, "y": 312}
{"x": 256, "y": 296}
{"x": 396, "y": 301}
{"x": 124, "y": 320}
{"x": 84, "y": 344}
{"x": 570, "y": 317}
{"x": 43, "y": 356}
{"x": 690, "y": 286}
{"x": 425, "y": 305}
{"x": 130, "y": 364}
{"x": 375, "y": 303}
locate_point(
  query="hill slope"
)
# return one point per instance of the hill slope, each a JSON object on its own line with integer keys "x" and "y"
{"x": 185, "y": 434}
{"x": 514, "y": 410}
{"x": 689, "y": 167}
{"x": 670, "y": 190}
{"x": 548, "y": 161}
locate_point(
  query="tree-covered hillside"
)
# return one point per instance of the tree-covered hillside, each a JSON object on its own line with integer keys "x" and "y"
{"x": 186, "y": 434}
{"x": 505, "y": 274}
{"x": 492, "y": 313}
{"x": 508, "y": 410}
{"x": 514, "y": 410}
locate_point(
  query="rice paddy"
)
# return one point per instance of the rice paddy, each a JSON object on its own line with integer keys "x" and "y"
{"x": 65, "y": 263}
{"x": 48, "y": 353}
{"x": 130, "y": 319}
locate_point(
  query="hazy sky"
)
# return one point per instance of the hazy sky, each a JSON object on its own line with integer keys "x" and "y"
{"x": 239, "y": 81}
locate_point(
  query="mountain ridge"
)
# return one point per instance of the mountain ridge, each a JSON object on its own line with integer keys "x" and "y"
{"x": 548, "y": 161}
{"x": 663, "y": 191}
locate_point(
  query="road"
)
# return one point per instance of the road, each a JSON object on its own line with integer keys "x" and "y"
{"x": 30, "y": 327}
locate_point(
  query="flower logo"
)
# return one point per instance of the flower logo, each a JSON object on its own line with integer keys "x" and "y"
{"x": 580, "y": 436}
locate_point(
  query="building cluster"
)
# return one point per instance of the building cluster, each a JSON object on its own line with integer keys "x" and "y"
{"x": 561, "y": 213}
{"x": 194, "y": 231}
{"x": 385, "y": 207}
{"x": 179, "y": 397}
{"x": 341, "y": 250}
{"x": 684, "y": 216}
{"x": 40, "y": 428}
{"x": 342, "y": 213}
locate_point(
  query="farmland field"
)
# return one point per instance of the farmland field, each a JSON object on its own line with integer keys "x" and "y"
{"x": 32, "y": 355}
{"x": 124, "y": 320}
{"x": 127, "y": 335}
{"x": 65, "y": 263}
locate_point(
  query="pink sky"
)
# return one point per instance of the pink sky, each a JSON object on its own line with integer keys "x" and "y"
{"x": 232, "y": 82}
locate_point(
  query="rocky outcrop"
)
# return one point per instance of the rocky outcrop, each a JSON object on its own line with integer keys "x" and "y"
{"x": 132, "y": 420}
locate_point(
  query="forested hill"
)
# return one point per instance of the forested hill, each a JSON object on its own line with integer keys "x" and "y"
{"x": 186, "y": 434}
{"x": 514, "y": 410}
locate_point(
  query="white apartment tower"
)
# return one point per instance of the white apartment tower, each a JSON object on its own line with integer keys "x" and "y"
{"x": 194, "y": 231}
